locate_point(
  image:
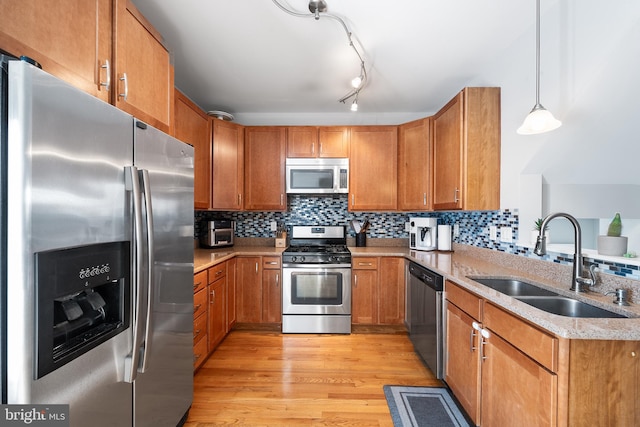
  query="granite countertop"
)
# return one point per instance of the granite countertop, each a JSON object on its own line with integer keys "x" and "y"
{"x": 458, "y": 266}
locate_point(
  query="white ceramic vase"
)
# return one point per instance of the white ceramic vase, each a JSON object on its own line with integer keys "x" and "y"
{"x": 612, "y": 245}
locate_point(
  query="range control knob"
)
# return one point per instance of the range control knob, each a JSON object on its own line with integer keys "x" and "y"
{"x": 294, "y": 258}
{"x": 302, "y": 259}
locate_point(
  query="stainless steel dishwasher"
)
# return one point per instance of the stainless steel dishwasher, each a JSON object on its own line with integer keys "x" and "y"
{"x": 426, "y": 325}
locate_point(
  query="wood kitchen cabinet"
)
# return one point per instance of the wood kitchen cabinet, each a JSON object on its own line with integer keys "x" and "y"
{"x": 143, "y": 73}
{"x": 505, "y": 370}
{"x": 231, "y": 294}
{"x": 228, "y": 165}
{"x": 200, "y": 348}
{"x": 264, "y": 167}
{"x": 313, "y": 141}
{"x": 466, "y": 151}
{"x": 415, "y": 166}
{"x": 377, "y": 290}
{"x": 259, "y": 294}
{"x": 71, "y": 39}
{"x": 373, "y": 174}
{"x": 192, "y": 125}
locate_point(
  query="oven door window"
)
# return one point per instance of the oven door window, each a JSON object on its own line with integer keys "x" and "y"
{"x": 311, "y": 179}
{"x": 316, "y": 288}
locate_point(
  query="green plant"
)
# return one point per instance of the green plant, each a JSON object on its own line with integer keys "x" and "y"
{"x": 615, "y": 228}
{"x": 538, "y": 225}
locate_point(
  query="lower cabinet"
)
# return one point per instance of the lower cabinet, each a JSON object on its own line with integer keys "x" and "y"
{"x": 200, "y": 348}
{"x": 377, "y": 285}
{"x": 259, "y": 290}
{"x": 506, "y": 371}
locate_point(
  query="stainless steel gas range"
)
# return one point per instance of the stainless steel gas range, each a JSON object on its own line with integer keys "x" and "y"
{"x": 316, "y": 281}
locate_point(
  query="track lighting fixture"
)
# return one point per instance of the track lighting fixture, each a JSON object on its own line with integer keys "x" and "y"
{"x": 539, "y": 120}
{"x": 318, "y": 9}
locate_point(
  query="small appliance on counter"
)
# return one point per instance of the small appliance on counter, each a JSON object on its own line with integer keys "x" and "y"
{"x": 218, "y": 233}
{"x": 423, "y": 234}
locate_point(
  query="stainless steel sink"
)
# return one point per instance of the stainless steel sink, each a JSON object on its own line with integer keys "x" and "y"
{"x": 569, "y": 307}
{"x": 514, "y": 287}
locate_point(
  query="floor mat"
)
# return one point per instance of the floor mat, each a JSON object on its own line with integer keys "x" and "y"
{"x": 423, "y": 407}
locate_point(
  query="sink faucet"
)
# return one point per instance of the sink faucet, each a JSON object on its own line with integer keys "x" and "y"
{"x": 578, "y": 282}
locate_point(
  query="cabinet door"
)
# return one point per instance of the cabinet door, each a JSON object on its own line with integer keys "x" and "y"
{"x": 265, "y": 149}
{"x": 447, "y": 155}
{"x": 272, "y": 296}
{"x": 414, "y": 166}
{"x": 143, "y": 70}
{"x": 217, "y": 312}
{"x": 302, "y": 141}
{"x": 516, "y": 390}
{"x": 333, "y": 141}
{"x": 71, "y": 39}
{"x": 373, "y": 165}
{"x": 231, "y": 294}
{"x": 364, "y": 296}
{"x": 462, "y": 365}
{"x": 249, "y": 289}
{"x": 228, "y": 165}
{"x": 192, "y": 126}
{"x": 391, "y": 291}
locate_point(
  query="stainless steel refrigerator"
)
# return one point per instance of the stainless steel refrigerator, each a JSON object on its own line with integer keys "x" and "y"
{"x": 97, "y": 257}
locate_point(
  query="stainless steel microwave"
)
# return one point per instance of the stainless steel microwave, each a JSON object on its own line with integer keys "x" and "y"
{"x": 317, "y": 176}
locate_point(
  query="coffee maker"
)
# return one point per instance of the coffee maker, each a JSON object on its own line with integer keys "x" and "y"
{"x": 423, "y": 234}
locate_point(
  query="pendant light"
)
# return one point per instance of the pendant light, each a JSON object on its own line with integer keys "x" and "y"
{"x": 539, "y": 120}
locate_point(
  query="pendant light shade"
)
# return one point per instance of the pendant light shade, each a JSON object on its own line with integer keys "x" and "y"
{"x": 539, "y": 120}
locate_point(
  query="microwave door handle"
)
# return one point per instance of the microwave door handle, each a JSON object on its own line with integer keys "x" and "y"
{"x": 132, "y": 360}
{"x": 146, "y": 190}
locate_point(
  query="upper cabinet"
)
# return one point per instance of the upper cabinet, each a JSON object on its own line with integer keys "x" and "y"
{"x": 312, "y": 141}
{"x": 373, "y": 170}
{"x": 71, "y": 39}
{"x": 228, "y": 165}
{"x": 414, "y": 166}
{"x": 143, "y": 71}
{"x": 466, "y": 151}
{"x": 192, "y": 125}
{"x": 264, "y": 162}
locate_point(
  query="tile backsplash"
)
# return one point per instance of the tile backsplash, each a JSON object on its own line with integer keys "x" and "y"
{"x": 332, "y": 210}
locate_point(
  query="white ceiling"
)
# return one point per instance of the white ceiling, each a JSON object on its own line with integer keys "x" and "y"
{"x": 248, "y": 56}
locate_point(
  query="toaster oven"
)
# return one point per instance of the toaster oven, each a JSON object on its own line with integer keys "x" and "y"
{"x": 218, "y": 233}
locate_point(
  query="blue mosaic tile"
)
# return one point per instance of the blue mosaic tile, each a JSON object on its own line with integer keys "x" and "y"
{"x": 333, "y": 210}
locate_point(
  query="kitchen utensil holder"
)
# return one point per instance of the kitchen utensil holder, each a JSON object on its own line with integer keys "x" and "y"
{"x": 361, "y": 240}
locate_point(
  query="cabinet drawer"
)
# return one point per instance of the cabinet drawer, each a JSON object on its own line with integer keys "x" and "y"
{"x": 199, "y": 281}
{"x": 199, "y": 352}
{"x": 270, "y": 262}
{"x": 468, "y": 302}
{"x": 535, "y": 343}
{"x": 217, "y": 271}
{"x": 199, "y": 303}
{"x": 365, "y": 263}
{"x": 199, "y": 328}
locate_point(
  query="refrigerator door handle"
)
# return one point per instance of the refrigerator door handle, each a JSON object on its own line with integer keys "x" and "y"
{"x": 146, "y": 189}
{"x": 132, "y": 360}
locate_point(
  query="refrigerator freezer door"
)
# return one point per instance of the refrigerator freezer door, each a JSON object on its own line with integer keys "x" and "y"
{"x": 163, "y": 388}
{"x": 66, "y": 157}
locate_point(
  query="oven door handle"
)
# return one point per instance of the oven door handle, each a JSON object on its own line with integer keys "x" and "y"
{"x": 294, "y": 265}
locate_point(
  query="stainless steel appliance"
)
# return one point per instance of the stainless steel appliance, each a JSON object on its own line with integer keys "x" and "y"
{"x": 97, "y": 257}
{"x": 218, "y": 233}
{"x": 316, "y": 281}
{"x": 317, "y": 176}
{"x": 426, "y": 329}
{"x": 423, "y": 234}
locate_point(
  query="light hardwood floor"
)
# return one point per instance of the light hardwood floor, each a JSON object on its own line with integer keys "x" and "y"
{"x": 269, "y": 379}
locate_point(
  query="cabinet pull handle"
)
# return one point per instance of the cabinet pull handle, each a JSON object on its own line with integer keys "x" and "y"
{"x": 213, "y": 296}
{"x": 197, "y": 285}
{"x": 456, "y": 199}
{"x": 197, "y": 307}
{"x": 272, "y": 262}
{"x": 124, "y": 79}
{"x": 365, "y": 263}
{"x": 320, "y": 148}
{"x": 281, "y": 199}
{"x": 313, "y": 151}
{"x": 196, "y": 332}
{"x": 484, "y": 336}
{"x": 355, "y": 280}
{"x": 196, "y": 356}
{"x": 239, "y": 199}
{"x": 277, "y": 279}
{"x": 219, "y": 272}
{"x": 474, "y": 327}
{"x": 424, "y": 199}
{"x": 107, "y": 67}
{"x": 353, "y": 199}
{"x": 256, "y": 268}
